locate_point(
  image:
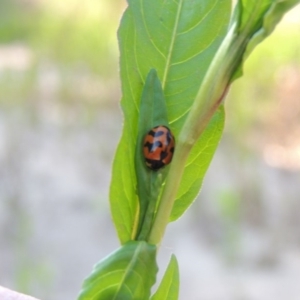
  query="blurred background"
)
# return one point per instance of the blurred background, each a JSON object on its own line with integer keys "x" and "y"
{"x": 60, "y": 122}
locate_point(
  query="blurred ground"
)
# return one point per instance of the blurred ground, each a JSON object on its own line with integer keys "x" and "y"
{"x": 59, "y": 125}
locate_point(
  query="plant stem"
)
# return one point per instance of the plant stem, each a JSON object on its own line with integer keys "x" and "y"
{"x": 169, "y": 194}
{"x": 207, "y": 101}
{"x": 146, "y": 223}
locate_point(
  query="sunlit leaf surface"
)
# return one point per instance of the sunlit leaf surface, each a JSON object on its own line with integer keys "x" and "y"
{"x": 127, "y": 274}
{"x": 179, "y": 40}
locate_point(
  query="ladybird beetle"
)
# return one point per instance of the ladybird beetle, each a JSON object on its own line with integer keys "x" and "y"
{"x": 158, "y": 147}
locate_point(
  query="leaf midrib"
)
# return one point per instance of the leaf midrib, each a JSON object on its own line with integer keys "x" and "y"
{"x": 170, "y": 52}
{"x": 129, "y": 268}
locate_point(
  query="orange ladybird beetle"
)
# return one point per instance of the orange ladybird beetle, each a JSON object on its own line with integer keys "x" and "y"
{"x": 158, "y": 147}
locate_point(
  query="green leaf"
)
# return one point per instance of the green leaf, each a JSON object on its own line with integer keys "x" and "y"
{"x": 255, "y": 21}
{"x": 274, "y": 14}
{"x": 153, "y": 112}
{"x": 197, "y": 164}
{"x": 122, "y": 276}
{"x": 252, "y": 22}
{"x": 179, "y": 40}
{"x": 123, "y": 199}
{"x": 169, "y": 287}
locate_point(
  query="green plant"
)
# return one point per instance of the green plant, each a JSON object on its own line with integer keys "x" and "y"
{"x": 178, "y": 60}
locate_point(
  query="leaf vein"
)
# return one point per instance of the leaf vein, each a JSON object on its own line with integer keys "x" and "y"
{"x": 148, "y": 31}
{"x": 174, "y": 34}
{"x": 201, "y": 20}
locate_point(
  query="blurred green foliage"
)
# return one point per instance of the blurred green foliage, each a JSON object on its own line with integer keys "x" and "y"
{"x": 66, "y": 32}
{"x": 60, "y": 56}
{"x": 79, "y": 37}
